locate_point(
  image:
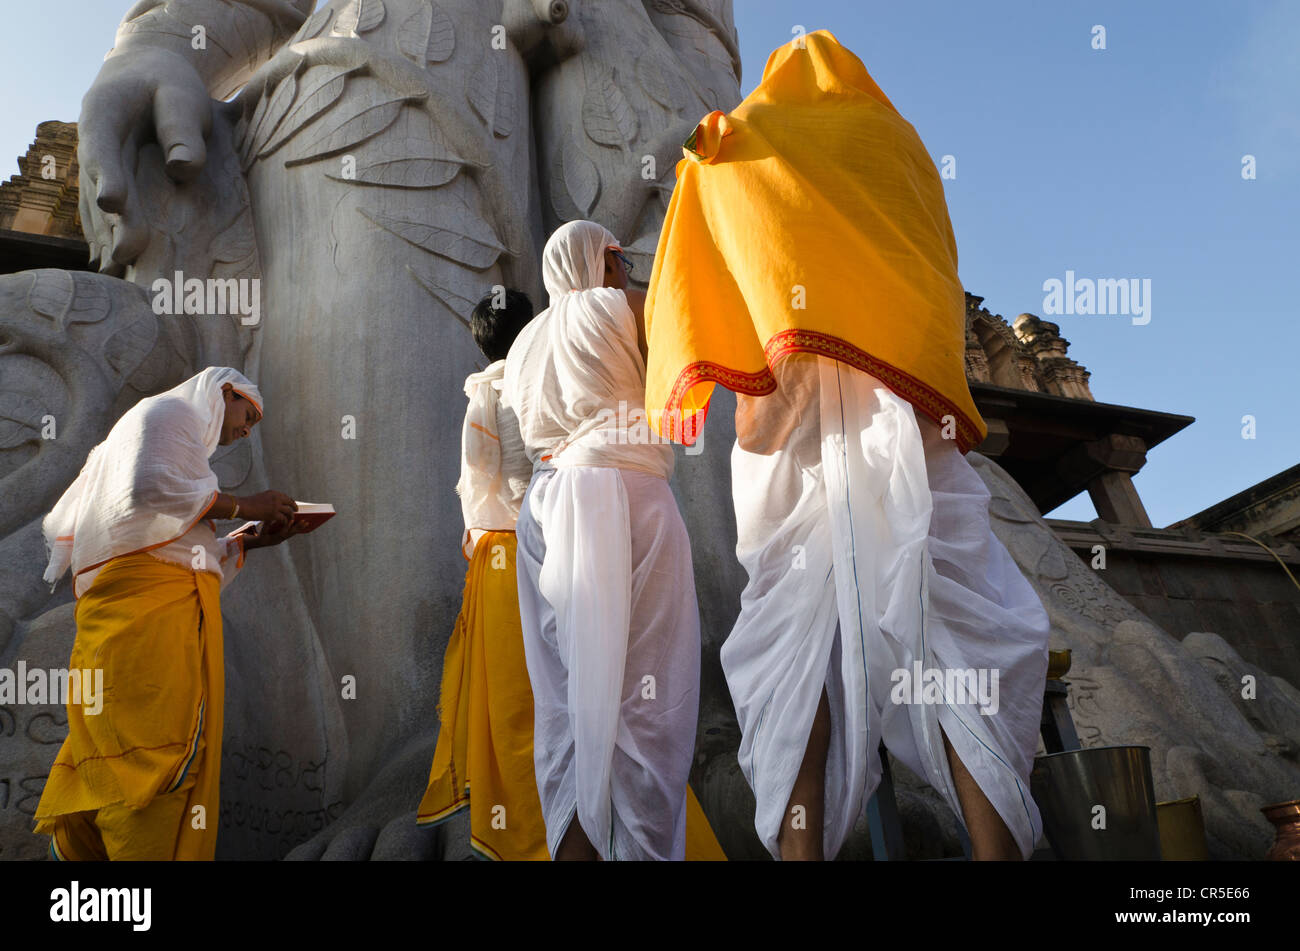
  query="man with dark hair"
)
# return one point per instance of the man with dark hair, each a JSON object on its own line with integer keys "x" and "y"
{"x": 497, "y": 319}
{"x": 488, "y": 747}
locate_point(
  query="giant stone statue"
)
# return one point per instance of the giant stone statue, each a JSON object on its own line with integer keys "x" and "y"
{"x": 375, "y": 166}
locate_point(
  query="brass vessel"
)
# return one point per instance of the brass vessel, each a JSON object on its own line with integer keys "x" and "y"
{"x": 1058, "y": 664}
{"x": 1182, "y": 830}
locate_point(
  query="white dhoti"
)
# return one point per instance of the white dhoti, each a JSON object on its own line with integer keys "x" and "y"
{"x": 612, "y": 641}
{"x": 867, "y": 541}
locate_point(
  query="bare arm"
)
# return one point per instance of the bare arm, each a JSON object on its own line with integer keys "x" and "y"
{"x": 270, "y": 506}
{"x": 636, "y": 300}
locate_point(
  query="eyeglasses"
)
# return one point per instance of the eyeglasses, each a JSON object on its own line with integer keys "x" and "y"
{"x": 618, "y": 253}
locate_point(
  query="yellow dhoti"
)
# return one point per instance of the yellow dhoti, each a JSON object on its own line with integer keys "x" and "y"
{"x": 128, "y": 781}
{"x": 486, "y": 707}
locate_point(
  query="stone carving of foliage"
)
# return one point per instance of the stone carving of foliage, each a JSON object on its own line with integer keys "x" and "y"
{"x": 458, "y": 304}
{"x": 575, "y": 182}
{"x": 413, "y": 154}
{"x": 428, "y": 36}
{"x": 359, "y": 16}
{"x": 315, "y": 24}
{"x": 320, "y": 88}
{"x": 351, "y": 121}
{"x": 459, "y": 235}
{"x": 270, "y": 112}
{"x": 129, "y": 347}
{"x": 20, "y": 419}
{"x": 55, "y": 295}
{"x": 491, "y": 97}
{"x": 652, "y": 79}
{"x": 607, "y": 116}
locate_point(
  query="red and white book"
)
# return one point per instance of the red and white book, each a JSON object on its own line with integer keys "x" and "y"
{"x": 309, "y": 517}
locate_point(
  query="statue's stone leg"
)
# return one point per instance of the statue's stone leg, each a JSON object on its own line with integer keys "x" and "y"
{"x": 363, "y": 353}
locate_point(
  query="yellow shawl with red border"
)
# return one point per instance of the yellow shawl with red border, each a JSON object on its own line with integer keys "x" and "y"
{"x": 809, "y": 220}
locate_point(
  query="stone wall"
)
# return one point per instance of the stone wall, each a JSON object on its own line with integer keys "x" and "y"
{"x": 1188, "y": 582}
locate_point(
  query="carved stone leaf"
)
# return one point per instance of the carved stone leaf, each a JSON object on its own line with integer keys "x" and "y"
{"x": 128, "y": 347}
{"x": 90, "y": 302}
{"x": 404, "y": 173}
{"x": 606, "y": 114}
{"x": 561, "y": 201}
{"x": 1052, "y": 565}
{"x": 51, "y": 294}
{"x": 442, "y": 36}
{"x": 254, "y": 123}
{"x": 428, "y": 36}
{"x": 20, "y": 419}
{"x": 503, "y": 118}
{"x": 458, "y": 304}
{"x": 320, "y": 88}
{"x": 277, "y": 108}
{"x": 464, "y": 238}
{"x": 581, "y": 177}
{"x": 237, "y": 242}
{"x": 359, "y": 16}
{"x": 60, "y": 297}
{"x": 652, "y": 79}
{"x": 1001, "y": 506}
{"x": 492, "y": 99}
{"x": 360, "y": 119}
{"x": 482, "y": 90}
{"x": 315, "y": 24}
{"x": 413, "y": 153}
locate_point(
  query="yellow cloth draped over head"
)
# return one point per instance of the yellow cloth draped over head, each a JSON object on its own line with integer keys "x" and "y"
{"x": 811, "y": 219}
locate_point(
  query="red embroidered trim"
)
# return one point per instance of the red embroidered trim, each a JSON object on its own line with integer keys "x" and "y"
{"x": 923, "y": 397}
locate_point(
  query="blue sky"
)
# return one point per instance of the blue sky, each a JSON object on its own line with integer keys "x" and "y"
{"x": 1116, "y": 163}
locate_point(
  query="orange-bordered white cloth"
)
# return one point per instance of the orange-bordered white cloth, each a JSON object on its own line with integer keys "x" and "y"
{"x": 494, "y": 469}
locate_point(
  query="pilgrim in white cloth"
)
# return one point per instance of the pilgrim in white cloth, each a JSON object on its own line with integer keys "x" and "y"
{"x": 136, "y": 530}
{"x": 867, "y": 541}
{"x": 606, "y": 587}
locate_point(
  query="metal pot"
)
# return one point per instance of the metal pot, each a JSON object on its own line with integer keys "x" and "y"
{"x": 1098, "y": 804}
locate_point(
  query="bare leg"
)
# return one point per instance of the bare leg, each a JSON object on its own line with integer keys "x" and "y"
{"x": 990, "y": 839}
{"x": 801, "y": 835}
{"x": 575, "y": 846}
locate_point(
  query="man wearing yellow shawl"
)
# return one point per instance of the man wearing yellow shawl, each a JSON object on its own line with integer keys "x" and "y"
{"x": 807, "y": 262}
{"x": 140, "y": 779}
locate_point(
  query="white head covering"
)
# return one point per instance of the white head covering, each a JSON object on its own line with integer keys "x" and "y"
{"x": 574, "y": 258}
{"x": 575, "y": 376}
{"x": 149, "y": 481}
